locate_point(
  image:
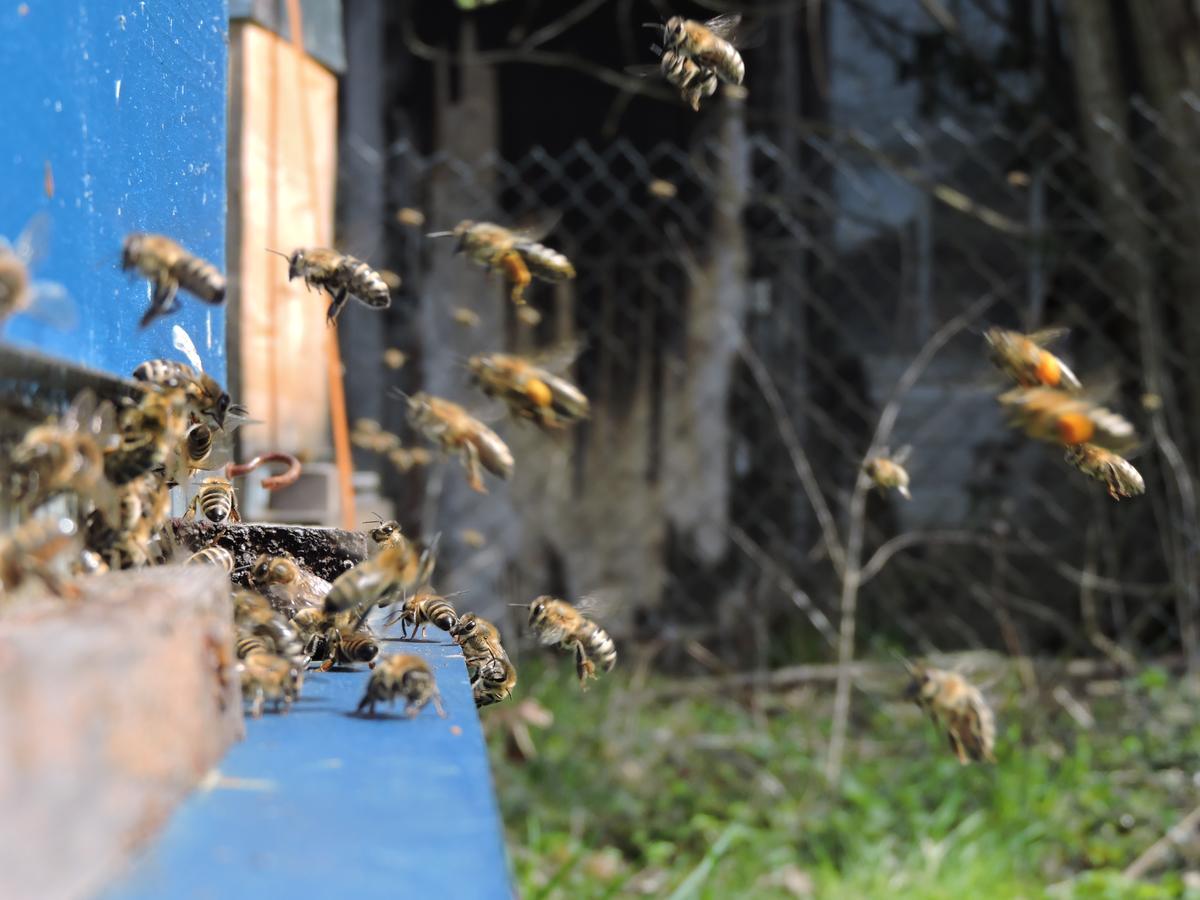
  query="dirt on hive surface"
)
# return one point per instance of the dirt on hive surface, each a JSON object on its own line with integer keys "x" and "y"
{"x": 326, "y": 552}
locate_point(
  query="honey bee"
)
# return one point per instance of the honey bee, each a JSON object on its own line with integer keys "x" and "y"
{"x": 217, "y": 499}
{"x": 124, "y": 535}
{"x": 212, "y": 556}
{"x": 394, "y": 358}
{"x": 709, "y": 45}
{"x": 394, "y": 570}
{"x": 516, "y": 252}
{"x": 254, "y": 615}
{"x": 956, "y": 705}
{"x": 425, "y": 608}
{"x": 1024, "y": 359}
{"x": 529, "y": 390}
{"x": 558, "y": 622}
{"x": 888, "y": 471}
{"x": 31, "y": 549}
{"x": 170, "y": 268}
{"x": 204, "y": 394}
{"x": 405, "y": 459}
{"x": 152, "y": 430}
{"x": 492, "y": 674}
{"x": 473, "y": 538}
{"x": 468, "y": 318}
{"x": 47, "y": 301}
{"x": 266, "y": 676}
{"x": 1051, "y": 414}
{"x": 341, "y": 275}
{"x": 251, "y": 643}
{"x": 67, "y": 455}
{"x": 454, "y": 429}
{"x": 694, "y": 82}
{"x": 1117, "y": 473}
{"x": 405, "y": 676}
{"x": 288, "y": 586}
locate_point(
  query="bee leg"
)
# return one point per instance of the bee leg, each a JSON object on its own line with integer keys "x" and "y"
{"x": 256, "y": 707}
{"x": 437, "y": 704}
{"x": 339, "y": 300}
{"x": 474, "y": 472}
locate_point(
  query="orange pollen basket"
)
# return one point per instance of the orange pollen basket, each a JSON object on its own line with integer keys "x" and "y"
{"x": 1075, "y": 428}
{"x": 1048, "y": 370}
{"x": 537, "y": 391}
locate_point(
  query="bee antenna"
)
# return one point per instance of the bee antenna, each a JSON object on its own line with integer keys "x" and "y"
{"x": 440, "y": 234}
{"x": 520, "y": 605}
{"x": 396, "y": 394}
{"x": 658, "y": 25}
{"x": 277, "y": 253}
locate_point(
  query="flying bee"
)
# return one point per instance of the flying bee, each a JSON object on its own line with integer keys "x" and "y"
{"x": 529, "y": 390}
{"x": 31, "y": 549}
{"x": 957, "y": 706}
{"x": 66, "y": 455}
{"x": 1116, "y": 472}
{"x": 286, "y": 584}
{"x": 468, "y": 318}
{"x": 169, "y": 267}
{"x": 406, "y": 676}
{"x": 888, "y": 471}
{"x": 1024, "y": 359}
{"x": 558, "y": 622}
{"x": 214, "y": 555}
{"x": 341, "y": 275}
{"x": 709, "y": 45}
{"x": 217, "y": 499}
{"x": 46, "y": 301}
{"x": 1051, "y": 414}
{"x": 266, "y": 676}
{"x": 515, "y": 252}
{"x": 425, "y": 608}
{"x": 454, "y": 429}
{"x": 694, "y": 82}
{"x": 394, "y": 570}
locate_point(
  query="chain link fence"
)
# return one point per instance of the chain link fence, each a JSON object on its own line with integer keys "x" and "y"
{"x": 762, "y": 311}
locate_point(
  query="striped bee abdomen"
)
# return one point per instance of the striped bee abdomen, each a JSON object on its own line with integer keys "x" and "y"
{"x": 367, "y": 286}
{"x": 547, "y": 264}
{"x": 253, "y": 643}
{"x": 165, "y": 372}
{"x": 200, "y": 278}
{"x": 354, "y": 648}
{"x": 217, "y": 501}
{"x": 599, "y": 645}
{"x": 213, "y": 556}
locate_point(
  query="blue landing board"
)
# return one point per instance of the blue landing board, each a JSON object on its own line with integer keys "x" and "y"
{"x": 318, "y": 802}
{"x": 121, "y": 103}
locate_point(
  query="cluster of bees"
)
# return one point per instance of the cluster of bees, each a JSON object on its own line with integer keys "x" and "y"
{"x": 120, "y": 462}
{"x": 1049, "y": 404}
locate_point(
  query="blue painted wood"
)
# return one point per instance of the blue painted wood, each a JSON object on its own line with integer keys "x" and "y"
{"x": 319, "y": 802}
{"x": 125, "y": 100}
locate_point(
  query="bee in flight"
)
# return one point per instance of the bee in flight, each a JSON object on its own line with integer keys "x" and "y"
{"x": 1115, "y": 471}
{"x": 46, "y": 301}
{"x": 694, "y": 82}
{"x": 957, "y": 706}
{"x": 558, "y": 622}
{"x": 528, "y": 389}
{"x": 1054, "y": 415}
{"x": 405, "y": 676}
{"x": 492, "y": 674}
{"x": 1025, "y": 359}
{"x": 456, "y": 430}
{"x": 341, "y": 275}
{"x": 888, "y": 472}
{"x": 169, "y": 267}
{"x": 516, "y": 252}
{"x": 710, "y": 45}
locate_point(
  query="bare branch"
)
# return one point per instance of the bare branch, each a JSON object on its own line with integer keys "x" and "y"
{"x": 888, "y": 549}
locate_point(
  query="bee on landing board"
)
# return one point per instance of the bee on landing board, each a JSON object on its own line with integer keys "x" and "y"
{"x": 1116, "y": 472}
{"x": 708, "y": 44}
{"x": 515, "y": 252}
{"x": 422, "y": 609}
{"x": 457, "y": 431}
{"x": 217, "y": 499}
{"x": 492, "y": 674}
{"x": 1024, "y": 359}
{"x": 1058, "y": 417}
{"x": 888, "y": 471}
{"x": 341, "y": 275}
{"x": 958, "y": 707}
{"x": 266, "y": 676}
{"x": 558, "y": 622}
{"x": 529, "y": 388}
{"x": 403, "y": 676}
{"x": 169, "y": 267}
{"x": 213, "y": 555}
{"x": 286, "y": 584}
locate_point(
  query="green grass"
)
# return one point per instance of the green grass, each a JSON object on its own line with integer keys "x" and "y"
{"x": 706, "y": 798}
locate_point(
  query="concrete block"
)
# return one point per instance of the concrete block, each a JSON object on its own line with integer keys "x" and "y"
{"x": 111, "y": 709}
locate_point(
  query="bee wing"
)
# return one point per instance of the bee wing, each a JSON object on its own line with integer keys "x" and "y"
{"x": 79, "y": 413}
{"x": 725, "y": 26}
{"x": 1046, "y": 336}
{"x": 183, "y": 343}
{"x": 536, "y": 226}
{"x": 599, "y": 603}
{"x": 901, "y": 456}
{"x": 51, "y": 304}
{"x": 34, "y": 240}
{"x": 558, "y": 358}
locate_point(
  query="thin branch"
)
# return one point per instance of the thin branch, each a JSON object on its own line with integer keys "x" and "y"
{"x": 798, "y": 597}
{"x": 851, "y": 569}
{"x": 890, "y": 548}
{"x": 795, "y": 450}
{"x": 1158, "y": 852}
